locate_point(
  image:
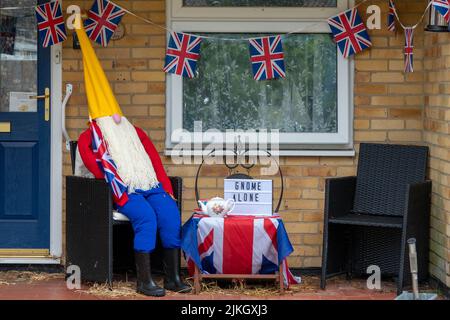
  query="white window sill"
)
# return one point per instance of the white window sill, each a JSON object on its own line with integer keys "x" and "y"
{"x": 281, "y": 153}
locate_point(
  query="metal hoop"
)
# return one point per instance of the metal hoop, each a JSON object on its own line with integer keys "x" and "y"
{"x": 280, "y": 173}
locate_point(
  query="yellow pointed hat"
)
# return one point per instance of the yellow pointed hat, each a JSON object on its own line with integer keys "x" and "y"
{"x": 101, "y": 100}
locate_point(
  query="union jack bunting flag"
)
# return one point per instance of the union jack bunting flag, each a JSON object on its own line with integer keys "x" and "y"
{"x": 443, "y": 7}
{"x": 237, "y": 245}
{"x": 409, "y": 46}
{"x": 349, "y": 32}
{"x": 103, "y": 18}
{"x": 183, "y": 52}
{"x": 107, "y": 165}
{"x": 50, "y": 23}
{"x": 391, "y": 16}
{"x": 267, "y": 57}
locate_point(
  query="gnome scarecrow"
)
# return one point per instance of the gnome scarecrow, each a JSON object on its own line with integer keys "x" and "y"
{"x": 115, "y": 150}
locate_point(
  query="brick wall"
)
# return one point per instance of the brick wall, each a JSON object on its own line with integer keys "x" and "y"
{"x": 436, "y": 135}
{"x": 388, "y": 108}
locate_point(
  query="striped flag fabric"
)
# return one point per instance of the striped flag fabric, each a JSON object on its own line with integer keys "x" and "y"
{"x": 391, "y": 16}
{"x": 238, "y": 245}
{"x": 106, "y": 163}
{"x": 103, "y": 19}
{"x": 50, "y": 23}
{"x": 349, "y": 32}
{"x": 267, "y": 57}
{"x": 443, "y": 7}
{"x": 409, "y": 49}
{"x": 182, "y": 54}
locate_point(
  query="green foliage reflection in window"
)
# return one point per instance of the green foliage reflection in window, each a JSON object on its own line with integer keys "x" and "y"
{"x": 224, "y": 94}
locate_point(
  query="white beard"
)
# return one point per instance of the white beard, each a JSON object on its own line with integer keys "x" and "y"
{"x": 133, "y": 163}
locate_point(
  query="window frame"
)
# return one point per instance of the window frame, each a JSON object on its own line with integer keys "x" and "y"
{"x": 290, "y": 143}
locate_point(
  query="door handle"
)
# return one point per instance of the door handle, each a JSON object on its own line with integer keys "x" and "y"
{"x": 45, "y": 96}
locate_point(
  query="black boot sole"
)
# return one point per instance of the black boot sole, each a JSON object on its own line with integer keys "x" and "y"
{"x": 151, "y": 294}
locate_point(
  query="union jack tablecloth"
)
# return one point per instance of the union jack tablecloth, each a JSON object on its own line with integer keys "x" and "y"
{"x": 237, "y": 245}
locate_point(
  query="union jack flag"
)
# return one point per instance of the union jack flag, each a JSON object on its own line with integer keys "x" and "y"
{"x": 183, "y": 52}
{"x": 106, "y": 163}
{"x": 237, "y": 245}
{"x": 50, "y": 23}
{"x": 391, "y": 16}
{"x": 267, "y": 58}
{"x": 409, "y": 46}
{"x": 349, "y": 32}
{"x": 443, "y": 7}
{"x": 103, "y": 18}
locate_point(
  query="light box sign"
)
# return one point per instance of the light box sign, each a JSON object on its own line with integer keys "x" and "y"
{"x": 251, "y": 197}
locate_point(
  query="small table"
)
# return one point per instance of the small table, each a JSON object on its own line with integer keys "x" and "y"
{"x": 237, "y": 247}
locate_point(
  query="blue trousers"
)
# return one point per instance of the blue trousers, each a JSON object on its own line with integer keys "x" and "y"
{"x": 151, "y": 211}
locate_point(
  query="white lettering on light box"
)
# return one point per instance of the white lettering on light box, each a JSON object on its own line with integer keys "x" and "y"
{"x": 251, "y": 197}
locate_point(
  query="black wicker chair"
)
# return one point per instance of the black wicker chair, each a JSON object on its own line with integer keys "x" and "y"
{"x": 368, "y": 218}
{"x": 96, "y": 242}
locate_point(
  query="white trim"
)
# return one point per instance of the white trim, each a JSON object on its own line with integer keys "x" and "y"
{"x": 30, "y": 261}
{"x": 56, "y": 154}
{"x": 55, "y": 167}
{"x": 177, "y": 11}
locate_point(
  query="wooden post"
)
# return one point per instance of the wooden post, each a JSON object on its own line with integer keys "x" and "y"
{"x": 280, "y": 278}
{"x": 196, "y": 280}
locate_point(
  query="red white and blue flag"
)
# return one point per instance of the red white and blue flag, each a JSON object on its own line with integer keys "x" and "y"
{"x": 183, "y": 52}
{"x": 349, "y": 32}
{"x": 106, "y": 164}
{"x": 50, "y": 23}
{"x": 443, "y": 7}
{"x": 103, "y": 18}
{"x": 237, "y": 245}
{"x": 391, "y": 16}
{"x": 267, "y": 57}
{"x": 409, "y": 48}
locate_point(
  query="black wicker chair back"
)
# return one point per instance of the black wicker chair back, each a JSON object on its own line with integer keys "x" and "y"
{"x": 384, "y": 172}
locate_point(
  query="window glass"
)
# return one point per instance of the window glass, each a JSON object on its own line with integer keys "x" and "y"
{"x": 18, "y": 56}
{"x": 224, "y": 94}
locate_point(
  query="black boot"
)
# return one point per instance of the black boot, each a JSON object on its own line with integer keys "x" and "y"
{"x": 145, "y": 283}
{"x": 172, "y": 280}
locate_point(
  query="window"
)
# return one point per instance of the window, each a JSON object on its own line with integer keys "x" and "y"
{"x": 311, "y": 107}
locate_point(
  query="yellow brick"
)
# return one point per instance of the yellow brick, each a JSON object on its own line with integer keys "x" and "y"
{"x": 388, "y": 77}
{"x": 148, "y": 76}
{"x": 387, "y": 124}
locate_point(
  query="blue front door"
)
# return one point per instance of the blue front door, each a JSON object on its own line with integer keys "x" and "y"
{"x": 24, "y": 132}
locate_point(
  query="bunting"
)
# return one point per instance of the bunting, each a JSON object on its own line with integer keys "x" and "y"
{"x": 409, "y": 47}
{"x": 443, "y": 7}
{"x": 349, "y": 32}
{"x": 391, "y": 16}
{"x": 267, "y": 57}
{"x": 183, "y": 49}
{"x": 103, "y": 18}
{"x": 183, "y": 52}
{"x": 50, "y": 23}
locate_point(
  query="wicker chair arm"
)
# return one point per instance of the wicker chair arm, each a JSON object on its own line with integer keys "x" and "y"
{"x": 177, "y": 186}
{"x": 418, "y": 202}
{"x": 416, "y": 221}
{"x": 339, "y": 195}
